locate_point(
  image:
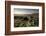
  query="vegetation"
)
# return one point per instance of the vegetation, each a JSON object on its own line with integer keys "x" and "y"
{"x": 26, "y": 21}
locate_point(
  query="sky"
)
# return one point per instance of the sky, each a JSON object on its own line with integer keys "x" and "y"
{"x": 25, "y": 11}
